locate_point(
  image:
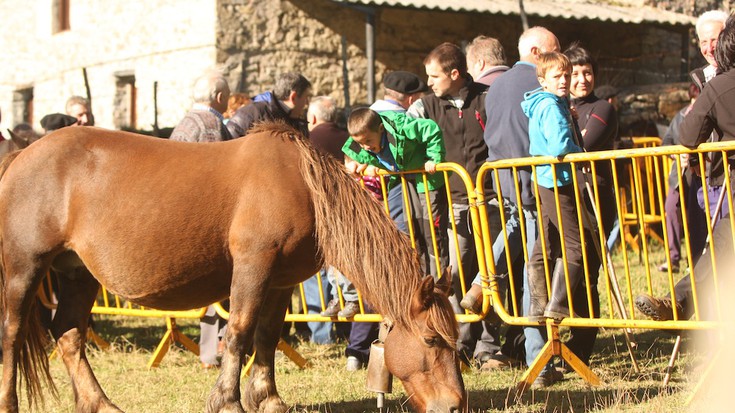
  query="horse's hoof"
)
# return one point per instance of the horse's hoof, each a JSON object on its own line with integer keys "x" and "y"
{"x": 273, "y": 405}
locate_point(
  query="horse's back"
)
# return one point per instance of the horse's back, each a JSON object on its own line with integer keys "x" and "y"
{"x": 157, "y": 211}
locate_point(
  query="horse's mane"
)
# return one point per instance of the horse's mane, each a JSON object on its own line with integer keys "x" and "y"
{"x": 353, "y": 232}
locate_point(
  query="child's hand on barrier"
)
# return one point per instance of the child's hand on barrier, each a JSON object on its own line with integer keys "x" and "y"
{"x": 354, "y": 167}
{"x": 430, "y": 167}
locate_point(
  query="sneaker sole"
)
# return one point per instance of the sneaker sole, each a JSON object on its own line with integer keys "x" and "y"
{"x": 648, "y": 309}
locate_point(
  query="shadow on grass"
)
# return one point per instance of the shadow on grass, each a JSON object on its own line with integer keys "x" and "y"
{"x": 145, "y": 334}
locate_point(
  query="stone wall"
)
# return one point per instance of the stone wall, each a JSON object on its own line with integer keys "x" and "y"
{"x": 171, "y": 41}
{"x": 259, "y": 40}
{"x": 168, "y": 41}
{"x": 643, "y": 108}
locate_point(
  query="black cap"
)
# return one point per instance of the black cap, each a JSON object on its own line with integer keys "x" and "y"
{"x": 606, "y": 91}
{"x": 404, "y": 82}
{"x": 55, "y": 121}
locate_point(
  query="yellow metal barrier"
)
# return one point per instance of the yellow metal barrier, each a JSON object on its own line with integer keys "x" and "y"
{"x": 641, "y": 197}
{"x": 618, "y": 294}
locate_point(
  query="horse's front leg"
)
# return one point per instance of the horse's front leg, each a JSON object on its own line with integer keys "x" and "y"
{"x": 247, "y": 295}
{"x": 260, "y": 393}
{"x": 69, "y": 327}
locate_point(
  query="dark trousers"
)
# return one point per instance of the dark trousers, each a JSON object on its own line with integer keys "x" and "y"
{"x": 362, "y": 336}
{"x": 703, "y": 273}
{"x": 551, "y": 231}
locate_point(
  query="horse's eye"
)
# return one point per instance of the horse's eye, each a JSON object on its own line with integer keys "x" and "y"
{"x": 431, "y": 341}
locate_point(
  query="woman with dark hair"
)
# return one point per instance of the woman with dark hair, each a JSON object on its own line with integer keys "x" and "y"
{"x": 598, "y": 123}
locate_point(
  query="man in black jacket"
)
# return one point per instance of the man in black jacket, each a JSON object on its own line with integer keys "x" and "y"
{"x": 458, "y": 107}
{"x": 287, "y": 102}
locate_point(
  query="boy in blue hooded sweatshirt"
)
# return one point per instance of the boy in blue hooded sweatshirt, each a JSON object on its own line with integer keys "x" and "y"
{"x": 552, "y": 132}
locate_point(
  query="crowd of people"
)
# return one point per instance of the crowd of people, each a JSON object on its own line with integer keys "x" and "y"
{"x": 475, "y": 107}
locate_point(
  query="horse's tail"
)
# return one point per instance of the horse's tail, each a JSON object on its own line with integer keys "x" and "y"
{"x": 33, "y": 359}
{"x": 355, "y": 236}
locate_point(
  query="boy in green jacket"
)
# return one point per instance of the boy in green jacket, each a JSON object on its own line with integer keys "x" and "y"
{"x": 395, "y": 142}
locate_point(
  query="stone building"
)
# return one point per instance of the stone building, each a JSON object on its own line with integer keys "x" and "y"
{"x": 138, "y": 58}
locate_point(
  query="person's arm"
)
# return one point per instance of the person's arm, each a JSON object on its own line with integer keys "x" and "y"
{"x": 429, "y": 133}
{"x": 700, "y": 122}
{"x": 417, "y": 110}
{"x": 600, "y": 127}
{"x": 239, "y": 123}
{"x": 671, "y": 137}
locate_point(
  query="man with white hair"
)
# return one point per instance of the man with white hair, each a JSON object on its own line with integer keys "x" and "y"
{"x": 79, "y": 108}
{"x": 708, "y": 27}
{"x": 204, "y": 122}
{"x": 506, "y": 136}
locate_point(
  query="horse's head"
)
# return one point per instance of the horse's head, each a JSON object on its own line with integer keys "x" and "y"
{"x": 423, "y": 355}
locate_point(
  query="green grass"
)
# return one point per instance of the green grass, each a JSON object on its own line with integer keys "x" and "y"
{"x": 180, "y": 385}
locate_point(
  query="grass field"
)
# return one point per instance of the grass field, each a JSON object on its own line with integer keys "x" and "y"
{"x": 180, "y": 385}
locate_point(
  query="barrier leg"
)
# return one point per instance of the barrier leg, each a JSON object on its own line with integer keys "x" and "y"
{"x": 287, "y": 350}
{"x": 292, "y": 354}
{"x": 672, "y": 360}
{"x": 172, "y": 335}
{"x": 97, "y": 340}
{"x": 554, "y": 347}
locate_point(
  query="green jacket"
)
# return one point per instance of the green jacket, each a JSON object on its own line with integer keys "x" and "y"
{"x": 412, "y": 142}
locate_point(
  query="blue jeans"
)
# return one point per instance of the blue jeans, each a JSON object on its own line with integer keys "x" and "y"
{"x": 338, "y": 280}
{"x": 395, "y": 207}
{"x": 535, "y": 336}
{"x": 321, "y": 332}
{"x": 512, "y": 232}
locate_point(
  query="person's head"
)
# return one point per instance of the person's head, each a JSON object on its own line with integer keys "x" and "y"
{"x": 725, "y": 51}
{"x": 78, "y": 107}
{"x": 554, "y": 73}
{"x": 322, "y": 109}
{"x": 211, "y": 89}
{"x": 483, "y": 53}
{"x": 25, "y": 132}
{"x": 294, "y": 90}
{"x": 608, "y": 93}
{"x": 55, "y": 121}
{"x": 584, "y": 69}
{"x": 446, "y": 69}
{"x": 403, "y": 87}
{"x": 235, "y": 102}
{"x": 535, "y": 41}
{"x": 708, "y": 27}
{"x": 366, "y": 128}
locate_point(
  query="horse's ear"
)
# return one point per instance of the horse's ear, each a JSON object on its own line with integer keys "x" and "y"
{"x": 445, "y": 282}
{"x": 423, "y": 297}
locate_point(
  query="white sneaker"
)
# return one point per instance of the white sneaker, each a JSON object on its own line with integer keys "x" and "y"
{"x": 353, "y": 364}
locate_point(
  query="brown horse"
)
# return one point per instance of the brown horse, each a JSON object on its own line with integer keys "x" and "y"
{"x": 176, "y": 225}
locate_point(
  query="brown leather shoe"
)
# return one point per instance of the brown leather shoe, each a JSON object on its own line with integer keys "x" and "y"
{"x": 659, "y": 309}
{"x": 472, "y": 301}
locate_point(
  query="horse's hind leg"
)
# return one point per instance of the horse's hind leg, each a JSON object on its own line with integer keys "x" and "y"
{"x": 260, "y": 393}
{"x": 77, "y": 294}
{"x": 20, "y": 324}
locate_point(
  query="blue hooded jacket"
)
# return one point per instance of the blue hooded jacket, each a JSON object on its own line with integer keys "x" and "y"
{"x": 551, "y": 133}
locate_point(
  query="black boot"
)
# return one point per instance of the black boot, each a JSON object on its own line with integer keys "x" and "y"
{"x": 558, "y": 306}
{"x": 537, "y": 291}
